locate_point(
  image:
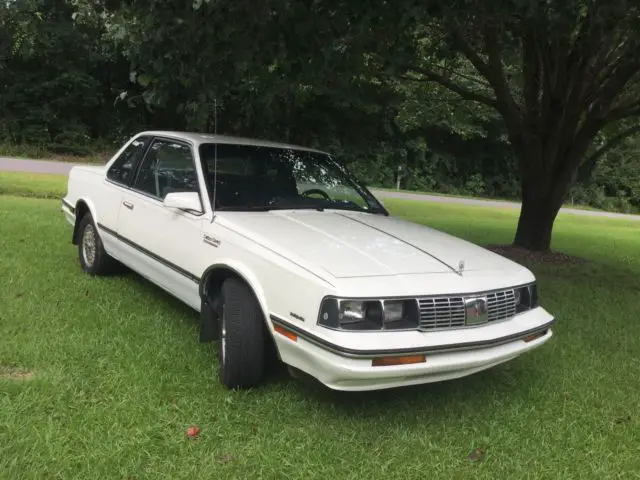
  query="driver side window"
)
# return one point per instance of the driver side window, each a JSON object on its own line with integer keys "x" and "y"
{"x": 317, "y": 181}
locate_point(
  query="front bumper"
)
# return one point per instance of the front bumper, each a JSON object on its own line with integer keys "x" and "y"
{"x": 349, "y": 369}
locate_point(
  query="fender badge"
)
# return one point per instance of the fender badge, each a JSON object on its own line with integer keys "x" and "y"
{"x": 214, "y": 242}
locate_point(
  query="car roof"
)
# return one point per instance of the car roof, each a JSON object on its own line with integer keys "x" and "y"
{"x": 200, "y": 138}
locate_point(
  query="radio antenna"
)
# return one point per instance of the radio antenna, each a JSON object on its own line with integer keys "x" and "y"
{"x": 215, "y": 157}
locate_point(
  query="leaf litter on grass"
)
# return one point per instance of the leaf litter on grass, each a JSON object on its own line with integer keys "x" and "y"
{"x": 11, "y": 372}
{"x": 476, "y": 454}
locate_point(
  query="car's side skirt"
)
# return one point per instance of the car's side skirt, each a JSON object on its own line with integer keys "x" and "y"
{"x": 69, "y": 207}
{"x": 144, "y": 251}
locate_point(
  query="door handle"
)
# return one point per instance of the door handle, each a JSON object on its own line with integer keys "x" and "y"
{"x": 129, "y": 205}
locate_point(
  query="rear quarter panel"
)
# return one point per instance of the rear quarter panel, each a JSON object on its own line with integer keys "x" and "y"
{"x": 88, "y": 184}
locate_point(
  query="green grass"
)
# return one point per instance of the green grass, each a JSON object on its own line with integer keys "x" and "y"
{"x": 38, "y": 185}
{"x": 110, "y": 375}
{"x": 574, "y": 206}
{"x": 82, "y": 155}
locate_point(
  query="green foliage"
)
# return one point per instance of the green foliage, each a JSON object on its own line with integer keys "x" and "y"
{"x": 387, "y": 87}
{"x": 557, "y": 73}
{"x": 59, "y": 80}
{"x": 614, "y": 183}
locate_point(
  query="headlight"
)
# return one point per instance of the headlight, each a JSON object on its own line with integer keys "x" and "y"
{"x": 526, "y": 297}
{"x": 369, "y": 315}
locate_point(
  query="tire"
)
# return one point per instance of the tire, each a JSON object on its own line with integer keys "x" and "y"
{"x": 94, "y": 260}
{"x": 242, "y": 336}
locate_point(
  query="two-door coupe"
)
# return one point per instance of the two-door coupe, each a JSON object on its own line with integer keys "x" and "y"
{"x": 284, "y": 253}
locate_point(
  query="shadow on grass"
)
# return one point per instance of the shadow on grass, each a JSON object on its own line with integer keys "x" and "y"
{"x": 146, "y": 287}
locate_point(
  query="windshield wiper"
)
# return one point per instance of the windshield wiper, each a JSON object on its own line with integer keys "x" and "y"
{"x": 244, "y": 209}
{"x": 266, "y": 208}
{"x": 318, "y": 207}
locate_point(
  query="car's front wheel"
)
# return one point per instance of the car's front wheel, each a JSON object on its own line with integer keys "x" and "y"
{"x": 94, "y": 260}
{"x": 242, "y": 336}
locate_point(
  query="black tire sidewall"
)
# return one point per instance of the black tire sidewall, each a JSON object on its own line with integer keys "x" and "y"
{"x": 243, "y": 322}
{"x": 221, "y": 327}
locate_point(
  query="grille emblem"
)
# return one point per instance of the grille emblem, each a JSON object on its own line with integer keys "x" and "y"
{"x": 476, "y": 311}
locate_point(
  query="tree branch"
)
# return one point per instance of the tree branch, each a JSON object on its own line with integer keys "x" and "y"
{"x": 624, "y": 111}
{"x": 454, "y": 87}
{"x": 626, "y": 68}
{"x": 586, "y": 169}
{"x": 492, "y": 70}
{"x": 532, "y": 71}
{"x": 471, "y": 79}
{"x": 494, "y": 53}
{"x": 466, "y": 49}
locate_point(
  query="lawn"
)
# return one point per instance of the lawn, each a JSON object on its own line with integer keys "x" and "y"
{"x": 37, "y": 185}
{"x": 100, "y": 378}
{"x": 574, "y": 206}
{"x": 98, "y": 154}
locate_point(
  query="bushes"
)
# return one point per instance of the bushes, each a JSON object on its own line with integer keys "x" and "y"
{"x": 456, "y": 167}
{"x": 60, "y": 79}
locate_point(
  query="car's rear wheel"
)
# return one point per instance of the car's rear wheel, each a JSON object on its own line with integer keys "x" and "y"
{"x": 94, "y": 260}
{"x": 242, "y": 336}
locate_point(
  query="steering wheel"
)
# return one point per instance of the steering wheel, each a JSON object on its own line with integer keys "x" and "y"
{"x": 322, "y": 193}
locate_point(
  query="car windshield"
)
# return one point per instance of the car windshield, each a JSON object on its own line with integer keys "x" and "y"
{"x": 252, "y": 177}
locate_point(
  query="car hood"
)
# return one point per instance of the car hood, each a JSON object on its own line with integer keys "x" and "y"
{"x": 352, "y": 244}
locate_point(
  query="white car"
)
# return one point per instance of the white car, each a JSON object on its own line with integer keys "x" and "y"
{"x": 329, "y": 282}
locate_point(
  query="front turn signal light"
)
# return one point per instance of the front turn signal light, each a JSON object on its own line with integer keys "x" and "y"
{"x": 534, "y": 336}
{"x": 286, "y": 333}
{"x": 390, "y": 361}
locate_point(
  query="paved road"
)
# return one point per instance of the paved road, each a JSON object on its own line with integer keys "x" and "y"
{"x": 62, "y": 168}
{"x": 35, "y": 166}
{"x": 492, "y": 203}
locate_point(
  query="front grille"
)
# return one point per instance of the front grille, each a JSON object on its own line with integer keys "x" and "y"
{"x": 441, "y": 312}
{"x": 501, "y": 305}
{"x": 449, "y": 312}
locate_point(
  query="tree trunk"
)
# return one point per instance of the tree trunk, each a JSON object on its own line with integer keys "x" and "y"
{"x": 541, "y": 202}
{"x": 535, "y": 224}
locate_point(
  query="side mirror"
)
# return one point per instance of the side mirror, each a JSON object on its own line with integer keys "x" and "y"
{"x": 183, "y": 200}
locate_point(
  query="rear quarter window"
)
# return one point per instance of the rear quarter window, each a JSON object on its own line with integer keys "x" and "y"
{"x": 122, "y": 169}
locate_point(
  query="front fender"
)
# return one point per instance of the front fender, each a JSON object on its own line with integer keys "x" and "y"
{"x": 244, "y": 272}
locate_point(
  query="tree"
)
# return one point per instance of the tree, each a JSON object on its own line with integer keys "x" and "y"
{"x": 58, "y": 81}
{"x": 271, "y": 66}
{"x": 558, "y": 73}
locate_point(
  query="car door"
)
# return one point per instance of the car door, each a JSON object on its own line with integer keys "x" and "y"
{"x": 165, "y": 244}
{"x": 108, "y": 199}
